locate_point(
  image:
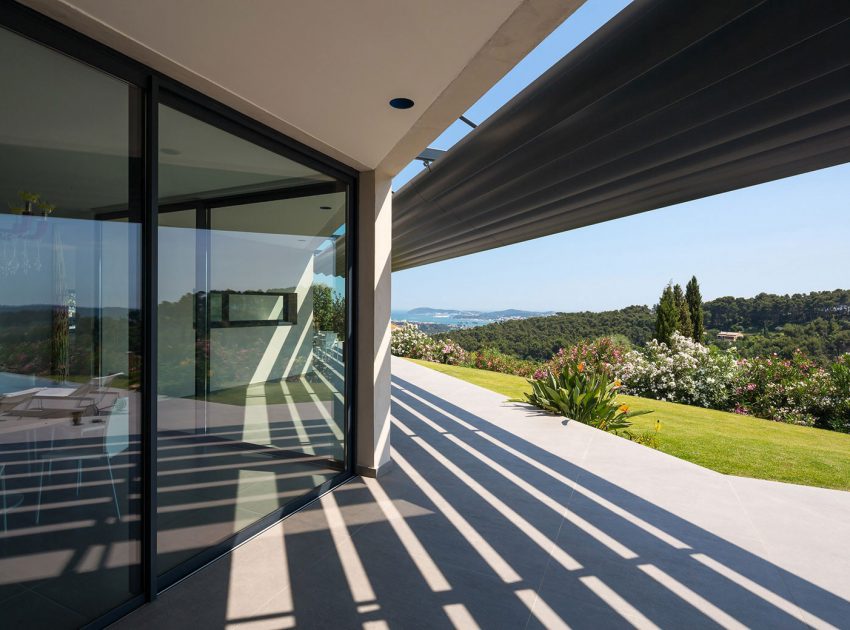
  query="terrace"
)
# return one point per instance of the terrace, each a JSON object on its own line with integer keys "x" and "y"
{"x": 201, "y": 201}
{"x": 496, "y": 515}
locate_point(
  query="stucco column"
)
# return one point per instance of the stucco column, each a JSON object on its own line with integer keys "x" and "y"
{"x": 374, "y": 246}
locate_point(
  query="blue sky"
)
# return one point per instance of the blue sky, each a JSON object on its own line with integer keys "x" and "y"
{"x": 787, "y": 236}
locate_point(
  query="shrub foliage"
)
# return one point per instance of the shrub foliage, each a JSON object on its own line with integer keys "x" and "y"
{"x": 795, "y": 390}
{"x": 583, "y": 396}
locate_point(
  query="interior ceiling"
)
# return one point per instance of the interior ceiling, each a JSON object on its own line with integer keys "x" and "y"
{"x": 64, "y": 134}
{"x": 315, "y": 216}
{"x": 668, "y": 102}
{"x": 324, "y": 71}
{"x": 188, "y": 142}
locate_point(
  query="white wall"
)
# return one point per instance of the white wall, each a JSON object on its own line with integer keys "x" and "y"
{"x": 245, "y": 261}
{"x": 374, "y": 240}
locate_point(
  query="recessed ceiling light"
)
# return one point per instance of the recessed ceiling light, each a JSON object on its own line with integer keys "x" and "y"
{"x": 325, "y": 208}
{"x": 168, "y": 151}
{"x": 401, "y": 103}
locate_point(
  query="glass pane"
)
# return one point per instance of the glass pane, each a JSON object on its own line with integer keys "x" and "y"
{"x": 69, "y": 340}
{"x": 198, "y": 161}
{"x": 251, "y": 324}
{"x": 295, "y": 368}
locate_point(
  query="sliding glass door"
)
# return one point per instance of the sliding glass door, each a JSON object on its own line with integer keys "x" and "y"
{"x": 174, "y": 298}
{"x": 70, "y": 346}
{"x": 251, "y": 376}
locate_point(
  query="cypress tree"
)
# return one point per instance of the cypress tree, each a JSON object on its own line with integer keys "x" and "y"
{"x": 666, "y": 316}
{"x": 694, "y": 299}
{"x": 685, "y": 328}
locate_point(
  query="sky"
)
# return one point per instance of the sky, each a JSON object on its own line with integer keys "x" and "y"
{"x": 787, "y": 236}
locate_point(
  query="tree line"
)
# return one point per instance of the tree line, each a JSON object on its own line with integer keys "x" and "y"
{"x": 818, "y": 323}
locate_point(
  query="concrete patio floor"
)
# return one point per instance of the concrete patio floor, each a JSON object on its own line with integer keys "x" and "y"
{"x": 497, "y": 516}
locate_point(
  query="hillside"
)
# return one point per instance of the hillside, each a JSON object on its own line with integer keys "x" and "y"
{"x": 538, "y": 338}
{"x": 818, "y": 323}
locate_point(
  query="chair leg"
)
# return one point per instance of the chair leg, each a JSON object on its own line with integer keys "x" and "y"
{"x": 114, "y": 492}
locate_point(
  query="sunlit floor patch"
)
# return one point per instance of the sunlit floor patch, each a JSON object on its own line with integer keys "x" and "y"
{"x": 352, "y": 566}
{"x": 476, "y": 541}
{"x": 711, "y": 611}
{"x": 417, "y": 552}
{"x": 615, "y": 601}
{"x": 460, "y": 617}
{"x": 539, "y": 538}
{"x": 541, "y": 610}
{"x": 762, "y": 592}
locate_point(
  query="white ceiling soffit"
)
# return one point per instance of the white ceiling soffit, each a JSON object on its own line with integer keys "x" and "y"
{"x": 323, "y": 71}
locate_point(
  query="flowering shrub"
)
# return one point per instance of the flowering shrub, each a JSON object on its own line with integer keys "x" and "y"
{"x": 450, "y": 353}
{"x": 496, "y": 361}
{"x": 836, "y": 416}
{"x": 792, "y": 390}
{"x": 600, "y": 355}
{"x": 409, "y": 341}
{"x": 685, "y": 372}
{"x": 795, "y": 390}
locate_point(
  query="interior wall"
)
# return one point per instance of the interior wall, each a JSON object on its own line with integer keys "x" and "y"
{"x": 288, "y": 349}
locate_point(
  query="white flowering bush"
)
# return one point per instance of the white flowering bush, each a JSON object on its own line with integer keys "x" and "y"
{"x": 685, "y": 372}
{"x": 409, "y": 341}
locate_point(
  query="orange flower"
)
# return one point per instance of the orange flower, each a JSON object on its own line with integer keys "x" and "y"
{"x": 581, "y": 367}
{"x": 623, "y": 409}
{"x": 617, "y": 384}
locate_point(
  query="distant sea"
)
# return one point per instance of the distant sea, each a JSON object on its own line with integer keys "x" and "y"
{"x": 430, "y": 318}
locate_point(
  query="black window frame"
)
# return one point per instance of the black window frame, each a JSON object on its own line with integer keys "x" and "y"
{"x": 157, "y": 88}
{"x": 288, "y": 315}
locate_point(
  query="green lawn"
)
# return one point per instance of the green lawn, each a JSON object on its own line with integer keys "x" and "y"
{"x": 724, "y": 442}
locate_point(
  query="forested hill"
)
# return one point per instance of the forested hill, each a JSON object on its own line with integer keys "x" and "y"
{"x": 539, "y": 338}
{"x": 767, "y": 311}
{"x": 818, "y": 322}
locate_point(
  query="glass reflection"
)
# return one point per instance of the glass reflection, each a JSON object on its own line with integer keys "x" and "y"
{"x": 251, "y": 329}
{"x": 69, "y": 341}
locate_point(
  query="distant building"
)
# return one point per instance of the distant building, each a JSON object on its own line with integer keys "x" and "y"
{"x": 730, "y": 336}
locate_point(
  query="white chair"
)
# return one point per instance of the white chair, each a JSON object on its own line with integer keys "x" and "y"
{"x": 92, "y": 396}
{"x": 11, "y": 402}
{"x": 116, "y": 440}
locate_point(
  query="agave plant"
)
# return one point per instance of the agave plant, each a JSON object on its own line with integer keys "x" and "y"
{"x": 583, "y": 397}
